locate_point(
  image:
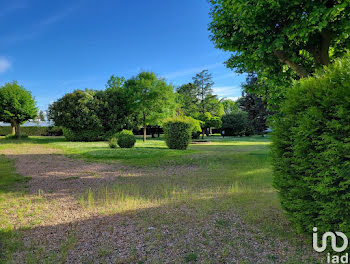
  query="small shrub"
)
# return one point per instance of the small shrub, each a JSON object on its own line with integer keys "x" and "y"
{"x": 126, "y": 139}
{"x": 178, "y": 132}
{"x": 311, "y": 146}
{"x": 112, "y": 143}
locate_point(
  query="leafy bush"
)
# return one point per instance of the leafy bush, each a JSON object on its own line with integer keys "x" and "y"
{"x": 236, "y": 124}
{"x": 195, "y": 126}
{"x": 311, "y": 147}
{"x": 112, "y": 143}
{"x": 178, "y": 132}
{"x": 82, "y": 135}
{"x": 54, "y": 131}
{"x": 126, "y": 139}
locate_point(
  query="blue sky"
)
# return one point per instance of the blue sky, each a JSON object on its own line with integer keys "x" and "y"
{"x": 55, "y": 47}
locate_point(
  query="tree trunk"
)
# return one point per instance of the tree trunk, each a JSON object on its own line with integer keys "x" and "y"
{"x": 285, "y": 59}
{"x": 158, "y": 130}
{"x": 18, "y": 130}
{"x": 152, "y": 132}
{"x": 144, "y": 127}
{"x": 13, "y": 127}
{"x": 202, "y": 133}
{"x": 321, "y": 51}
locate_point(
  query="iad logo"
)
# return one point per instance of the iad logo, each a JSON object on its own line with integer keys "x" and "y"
{"x": 334, "y": 258}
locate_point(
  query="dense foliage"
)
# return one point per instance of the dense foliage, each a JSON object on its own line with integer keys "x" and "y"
{"x": 96, "y": 115}
{"x": 77, "y": 113}
{"x": 16, "y": 106}
{"x": 280, "y": 40}
{"x": 178, "y": 132}
{"x": 254, "y": 105}
{"x": 126, "y": 139}
{"x": 236, "y": 124}
{"x": 152, "y": 98}
{"x": 114, "y": 107}
{"x": 311, "y": 147}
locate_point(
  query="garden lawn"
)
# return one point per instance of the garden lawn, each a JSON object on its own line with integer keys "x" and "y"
{"x": 212, "y": 203}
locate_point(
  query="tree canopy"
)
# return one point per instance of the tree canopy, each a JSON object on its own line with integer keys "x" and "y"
{"x": 153, "y": 98}
{"x": 16, "y": 106}
{"x": 280, "y": 40}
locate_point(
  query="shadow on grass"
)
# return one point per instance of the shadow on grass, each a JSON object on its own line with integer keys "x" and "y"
{"x": 166, "y": 233}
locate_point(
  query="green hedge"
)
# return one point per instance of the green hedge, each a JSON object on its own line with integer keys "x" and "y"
{"x": 34, "y": 131}
{"x": 311, "y": 151}
{"x": 30, "y": 131}
{"x": 178, "y": 132}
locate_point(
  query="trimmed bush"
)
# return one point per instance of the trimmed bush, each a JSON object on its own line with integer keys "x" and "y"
{"x": 30, "y": 130}
{"x": 178, "y": 132}
{"x": 126, "y": 139}
{"x": 311, "y": 151}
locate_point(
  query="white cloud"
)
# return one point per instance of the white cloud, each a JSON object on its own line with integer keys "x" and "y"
{"x": 5, "y": 64}
{"x": 226, "y": 90}
{"x": 233, "y": 98}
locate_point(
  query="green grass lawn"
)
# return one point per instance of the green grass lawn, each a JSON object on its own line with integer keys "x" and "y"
{"x": 233, "y": 174}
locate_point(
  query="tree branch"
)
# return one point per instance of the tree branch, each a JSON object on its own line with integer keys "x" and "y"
{"x": 285, "y": 59}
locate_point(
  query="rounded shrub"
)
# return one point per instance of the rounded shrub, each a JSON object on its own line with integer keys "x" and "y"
{"x": 311, "y": 151}
{"x": 126, "y": 139}
{"x": 178, "y": 131}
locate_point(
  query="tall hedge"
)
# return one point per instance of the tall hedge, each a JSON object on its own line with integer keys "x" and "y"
{"x": 178, "y": 132}
{"x": 311, "y": 151}
{"x": 30, "y": 131}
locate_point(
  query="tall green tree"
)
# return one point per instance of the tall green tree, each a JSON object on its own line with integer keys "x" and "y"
{"x": 187, "y": 98}
{"x": 114, "y": 106}
{"x": 153, "y": 98}
{"x": 16, "y": 106}
{"x": 204, "y": 82}
{"x": 280, "y": 40}
{"x": 229, "y": 106}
